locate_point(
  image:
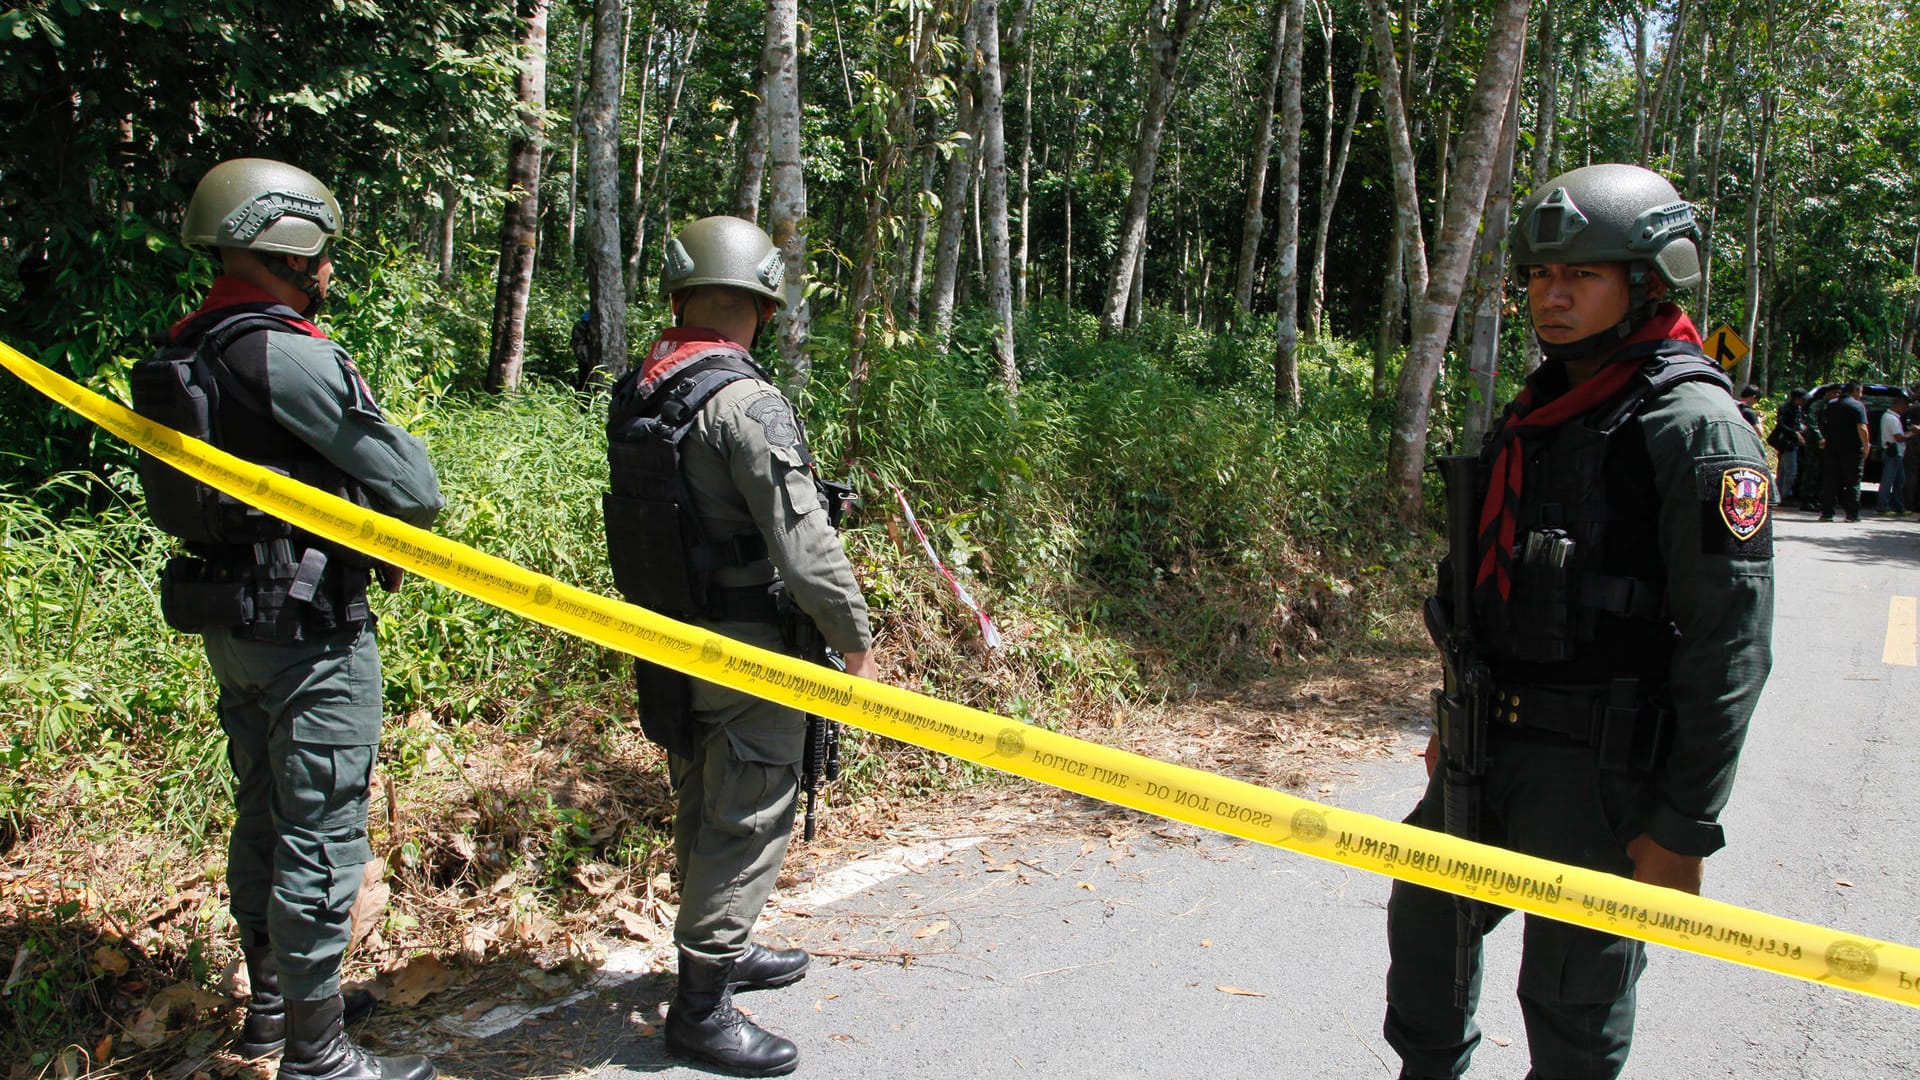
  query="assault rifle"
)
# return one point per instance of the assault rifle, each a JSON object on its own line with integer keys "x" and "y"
{"x": 821, "y": 761}
{"x": 1461, "y": 709}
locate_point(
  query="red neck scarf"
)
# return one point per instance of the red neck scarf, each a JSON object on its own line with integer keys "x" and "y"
{"x": 1529, "y": 416}
{"x": 230, "y": 292}
{"x": 677, "y": 348}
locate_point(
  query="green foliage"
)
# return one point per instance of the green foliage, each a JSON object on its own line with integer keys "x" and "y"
{"x": 97, "y": 696}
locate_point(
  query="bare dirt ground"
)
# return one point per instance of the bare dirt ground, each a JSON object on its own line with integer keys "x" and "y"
{"x": 449, "y": 932}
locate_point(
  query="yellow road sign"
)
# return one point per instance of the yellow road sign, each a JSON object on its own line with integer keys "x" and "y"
{"x": 1724, "y": 347}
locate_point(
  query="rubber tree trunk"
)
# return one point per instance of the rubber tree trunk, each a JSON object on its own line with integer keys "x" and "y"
{"x": 1756, "y": 194}
{"x": 788, "y": 212}
{"x": 600, "y": 128}
{"x": 753, "y": 149}
{"x": 953, "y": 197}
{"x": 1166, "y": 35}
{"x": 520, "y": 217}
{"x": 1286, "y": 291}
{"x": 1490, "y": 293}
{"x": 1433, "y": 315}
{"x": 909, "y": 77}
{"x": 1546, "y": 110}
{"x": 573, "y": 133}
{"x": 1253, "y": 217}
{"x": 1329, "y": 197}
{"x": 993, "y": 184}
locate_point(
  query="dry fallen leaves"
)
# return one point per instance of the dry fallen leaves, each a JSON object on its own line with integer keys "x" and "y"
{"x": 415, "y": 980}
{"x": 111, "y": 960}
{"x": 931, "y": 929}
{"x": 1238, "y": 991}
{"x": 638, "y": 925}
{"x": 370, "y": 907}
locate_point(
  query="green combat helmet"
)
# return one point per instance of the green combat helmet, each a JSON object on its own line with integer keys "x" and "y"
{"x": 1610, "y": 213}
{"x": 268, "y": 208}
{"x": 1603, "y": 214}
{"x": 723, "y": 250}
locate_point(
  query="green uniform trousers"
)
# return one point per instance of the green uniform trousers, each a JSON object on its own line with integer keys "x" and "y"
{"x": 735, "y": 802}
{"x": 303, "y": 727}
{"x": 1576, "y": 985}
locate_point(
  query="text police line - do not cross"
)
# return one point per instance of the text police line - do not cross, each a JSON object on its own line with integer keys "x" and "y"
{"x": 1571, "y": 894}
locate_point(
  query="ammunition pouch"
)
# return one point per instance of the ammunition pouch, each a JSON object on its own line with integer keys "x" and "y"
{"x": 1628, "y": 729}
{"x": 265, "y": 594}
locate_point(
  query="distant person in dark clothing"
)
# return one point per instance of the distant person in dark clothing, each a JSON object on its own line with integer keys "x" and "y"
{"x": 1749, "y": 397}
{"x": 1789, "y": 439}
{"x": 581, "y": 341}
{"x": 1844, "y": 427}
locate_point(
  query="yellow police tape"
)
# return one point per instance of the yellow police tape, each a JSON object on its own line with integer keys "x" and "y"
{"x": 1568, "y": 893}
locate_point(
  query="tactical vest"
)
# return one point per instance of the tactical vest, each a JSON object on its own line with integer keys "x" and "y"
{"x": 245, "y": 569}
{"x": 661, "y": 555}
{"x": 1589, "y": 587}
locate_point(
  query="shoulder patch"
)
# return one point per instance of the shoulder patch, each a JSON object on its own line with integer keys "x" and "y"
{"x": 772, "y": 412}
{"x": 1734, "y": 514}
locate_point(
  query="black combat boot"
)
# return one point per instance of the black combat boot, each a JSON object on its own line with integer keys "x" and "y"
{"x": 703, "y": 1024}
{"x": 761, "y": 968}
{"x": 318, "y": 1049}
{"x": 265, "y": 1029}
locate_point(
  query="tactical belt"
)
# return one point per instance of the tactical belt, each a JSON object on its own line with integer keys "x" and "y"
{"x": 747, "y": 603}
{"x": 740, "y": 549}
{"x": 1627, "y": 597}
{"x": 1624, "y": 728}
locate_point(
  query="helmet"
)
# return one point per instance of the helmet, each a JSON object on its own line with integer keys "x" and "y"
{"x": 723, "y": 251}
{"x": 262, "y": 206}
{"x": 1610, "y": 213}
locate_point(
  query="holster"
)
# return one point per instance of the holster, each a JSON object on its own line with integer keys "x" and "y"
{"x": 666, "y": 707}
{"x": 269, "y": 598}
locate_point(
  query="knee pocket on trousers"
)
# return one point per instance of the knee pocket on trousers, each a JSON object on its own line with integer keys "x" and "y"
{"x": 346, "y": 866}
{"x": 1576, "y": 966}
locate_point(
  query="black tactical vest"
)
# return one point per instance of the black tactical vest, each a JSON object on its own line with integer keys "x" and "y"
{"x": 1589, "y": 589}
{"x": 246, "y": 569}
{"x": 661, "y": 555}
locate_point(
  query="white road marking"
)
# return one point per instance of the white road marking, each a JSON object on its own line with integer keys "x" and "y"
{"x": 624, "y": 965}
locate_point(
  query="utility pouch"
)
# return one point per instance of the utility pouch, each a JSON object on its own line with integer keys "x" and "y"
{"x": 646, "y": 548}
{"x": 1631, "y": 734}
{"x": 193, "y": 599}
{"x": 1539, "y": 613}
{"x": 666, "y": 707}
{"x": 275, "y": 618}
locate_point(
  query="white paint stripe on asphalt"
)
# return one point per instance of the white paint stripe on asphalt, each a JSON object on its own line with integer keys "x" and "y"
{"x": 865, "y": 874}
{"x": 625, "y": 965}
{"x": 1903, "y": 632}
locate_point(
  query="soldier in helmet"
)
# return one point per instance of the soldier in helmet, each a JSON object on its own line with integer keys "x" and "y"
{"x": 717, "y": 516}
{"x": 1619, "y": 580}
{"x": 282, "y": 614}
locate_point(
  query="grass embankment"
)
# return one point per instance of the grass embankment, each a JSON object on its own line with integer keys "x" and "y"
{"x": 1137, "y": 526}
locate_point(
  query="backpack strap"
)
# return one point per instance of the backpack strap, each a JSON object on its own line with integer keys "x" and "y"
{"x": 1664, "y": 365}
{"x": 216, "y": 339}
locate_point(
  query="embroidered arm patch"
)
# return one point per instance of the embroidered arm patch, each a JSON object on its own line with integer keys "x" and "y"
{"x": 1734, "y": 520}
{"x": 772, "y": 412}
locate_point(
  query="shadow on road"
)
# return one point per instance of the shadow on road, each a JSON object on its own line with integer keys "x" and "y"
{"x": 1871, "y": 539}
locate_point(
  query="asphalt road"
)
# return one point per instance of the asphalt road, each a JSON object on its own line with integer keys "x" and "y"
{"x": 1143, "y": 949}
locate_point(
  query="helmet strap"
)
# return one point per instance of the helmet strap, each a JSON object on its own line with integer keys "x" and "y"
{"x": 306, "y": 283}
